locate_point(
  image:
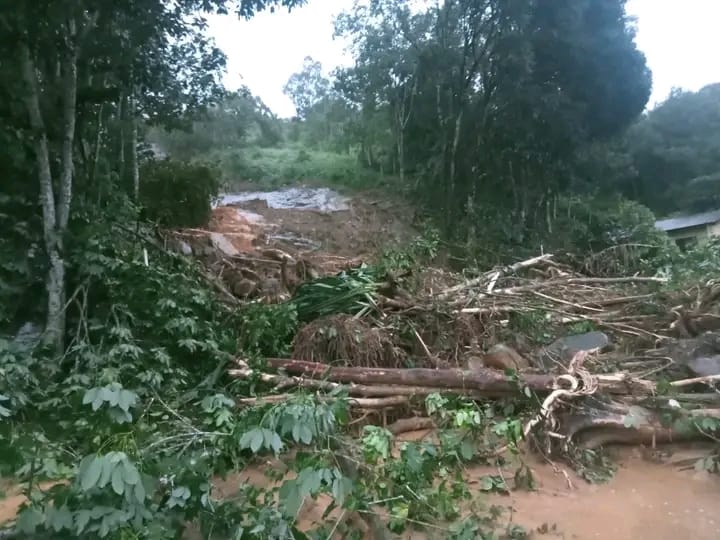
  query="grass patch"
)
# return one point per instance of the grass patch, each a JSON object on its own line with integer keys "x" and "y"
{"x": 277, "y": 167}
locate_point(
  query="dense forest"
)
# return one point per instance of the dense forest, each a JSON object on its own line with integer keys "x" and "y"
{"x": 515, "y": 126}
{"x": 493, "y": 119}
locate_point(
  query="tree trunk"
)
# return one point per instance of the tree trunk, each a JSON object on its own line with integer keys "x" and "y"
{"x": 54, "y": 327}
{"x": 69, "y": 110}
{"x": 489, "y": 382}
{"x": 455, "y": 145}
{"x": 98, "y": 146}
{"x": 133, "y": 148}
{"x": 401, "y": 155}
{"x": 121, "y": 121}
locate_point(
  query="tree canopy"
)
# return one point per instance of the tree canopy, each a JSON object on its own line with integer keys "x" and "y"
{"x": 489, "y": 102}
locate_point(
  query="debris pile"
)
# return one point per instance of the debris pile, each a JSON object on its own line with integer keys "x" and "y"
{"x": 634, "y": 363}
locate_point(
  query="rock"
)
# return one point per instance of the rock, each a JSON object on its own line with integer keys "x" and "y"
{"x": 221, "y": 243}
{"x": 185, "y": 248}
{"x": 499, "y": 357}
{"x": 700, "y": 355}
{"x": 565, "y": 348}
{"x": 705, "y": 366}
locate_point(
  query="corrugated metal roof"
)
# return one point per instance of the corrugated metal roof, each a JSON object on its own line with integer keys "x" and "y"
{"x": 674, "y": 224}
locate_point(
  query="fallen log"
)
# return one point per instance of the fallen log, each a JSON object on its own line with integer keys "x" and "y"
{"x": 385, "y": 390}
{"x": 598, "y": 423}
{"x": 487, "y": 382}
{"x": 405, "y": 425}
{"x": 361, "y": 403}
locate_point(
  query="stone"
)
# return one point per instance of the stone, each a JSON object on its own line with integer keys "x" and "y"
{"x": 185, "y": 248}
{"x": 705, "y": 366}
{"x": 565, "y": 348}
{"x": 221, "y": 243}
{"x": 499, "y": 357}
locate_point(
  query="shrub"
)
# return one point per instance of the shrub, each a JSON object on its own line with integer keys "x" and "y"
{"x": 176, "y": 193}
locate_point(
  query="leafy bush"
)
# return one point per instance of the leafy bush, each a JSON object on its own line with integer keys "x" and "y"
{"x": 698, "y": 264}
{"x": 616, "y": 235}
{"x": 279, "y": 166}
{"x": 178, "y": 194}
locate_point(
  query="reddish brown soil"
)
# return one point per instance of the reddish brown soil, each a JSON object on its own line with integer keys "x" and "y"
{"x": 372, "y": 222}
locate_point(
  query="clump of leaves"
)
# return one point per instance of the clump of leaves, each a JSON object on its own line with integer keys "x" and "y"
{"x": 352, "y": 292}
{"x": 267, "y": 329}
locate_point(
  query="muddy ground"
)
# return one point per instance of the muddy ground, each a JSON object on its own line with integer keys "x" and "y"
{"x": 646, "y": 499}
{"x": 314, "y": 221}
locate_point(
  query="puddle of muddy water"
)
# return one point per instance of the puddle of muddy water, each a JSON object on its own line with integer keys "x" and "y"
{"x": 320, "y": 199}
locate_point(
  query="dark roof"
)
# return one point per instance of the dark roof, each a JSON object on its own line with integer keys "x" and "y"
{"x": 685, "y": 222}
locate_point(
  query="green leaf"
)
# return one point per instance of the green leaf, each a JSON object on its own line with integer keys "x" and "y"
{"x": 246, "y": 439}
{"x": 486, "y": 483}
{"x": 139, "y": 492}
{"x": 309, "y": 481}
{"x": 97, "y": 403}
{"x": 117, "y": 481}
{"x": 82, "y": 518}
{"x": 130, "y": 473}
{"x": 256, "y": 441}
{"x": 106, "y": 394}
{"x": 90, "y": 396}
{"x": 107, "y": 470}
{"x": 341, "y": 488}
{"x": 306, "y": 435}
{"x": 59, "y": 518}
{"x": 467, "y": 449}
{"x": 290, "y": 498}
{"x": 92, "y": 473}
{"x": 28, "y": 520}
{"x": 126, "y": 400}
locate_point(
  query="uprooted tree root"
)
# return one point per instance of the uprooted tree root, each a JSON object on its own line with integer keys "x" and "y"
{"x": 347, "y": 340}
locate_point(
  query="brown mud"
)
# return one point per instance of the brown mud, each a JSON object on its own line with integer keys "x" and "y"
{"x": 319, "y": 222}
{"x": 646, "y": 499}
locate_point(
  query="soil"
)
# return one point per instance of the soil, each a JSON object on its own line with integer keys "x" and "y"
{"x": 350, "y": 227}
{"x": 644, "y": 500}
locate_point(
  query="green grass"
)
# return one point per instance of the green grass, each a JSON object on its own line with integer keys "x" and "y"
{"x": 276, "y": 167}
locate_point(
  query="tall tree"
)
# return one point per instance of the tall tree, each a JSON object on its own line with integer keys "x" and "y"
{"x": 82, "y": 63}
{"x": 307, "y": 87}
{"x": 490, "y": 101}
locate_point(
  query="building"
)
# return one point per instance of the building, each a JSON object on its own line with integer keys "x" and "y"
{"x": 691, "y": 230}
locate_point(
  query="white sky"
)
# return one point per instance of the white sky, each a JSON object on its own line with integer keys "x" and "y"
{"x": 679, "y": 38}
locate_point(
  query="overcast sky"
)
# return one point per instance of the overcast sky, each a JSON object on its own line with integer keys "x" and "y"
{"x": 679, "y": 38}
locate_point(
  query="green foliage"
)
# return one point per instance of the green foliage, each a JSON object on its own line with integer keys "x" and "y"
{"x": 352, "y": 292}
{"x": 267, "y": 330}
{"x": 697, "y": 264}
{"x": 619, "y": 235}
{"x": 535, "y": 325}
{"x": 422, "y": 250}
{"x": 670, "y": 159}
{"x": 22, "y": 262}
{"x": 178, "y": 194}
{"x": 273, "y": 167}
{"x": 507, "y": 142}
